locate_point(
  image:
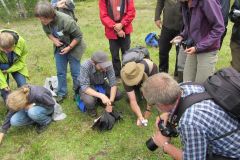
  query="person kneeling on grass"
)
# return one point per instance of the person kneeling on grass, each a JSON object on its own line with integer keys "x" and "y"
{"x": 29, "y": 105}
{"x": 93, "y": 78}
{"x": 133, "y": 75}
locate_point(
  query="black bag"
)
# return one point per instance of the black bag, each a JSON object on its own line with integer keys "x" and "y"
{"x": 135, "y": 55}
{"x": 223, "y": 88}
{"x": 106, "y": 121}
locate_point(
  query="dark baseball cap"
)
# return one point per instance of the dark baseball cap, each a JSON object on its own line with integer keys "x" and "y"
{"x": 101, "y": 58}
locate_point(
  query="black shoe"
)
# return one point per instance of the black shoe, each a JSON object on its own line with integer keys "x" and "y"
{"x": 59, "y": 99}
{"x": 41, "y": 128}
{"x": 92, "y": 113}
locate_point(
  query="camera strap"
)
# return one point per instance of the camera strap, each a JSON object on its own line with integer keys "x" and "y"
{"x": 188, "y": 101}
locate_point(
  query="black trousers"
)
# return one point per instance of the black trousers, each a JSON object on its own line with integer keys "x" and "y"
{"x": 115, "y": 46}
{"x": 164, "y": 47}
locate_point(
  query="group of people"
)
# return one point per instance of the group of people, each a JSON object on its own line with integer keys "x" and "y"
{"x": 195, "y": 27}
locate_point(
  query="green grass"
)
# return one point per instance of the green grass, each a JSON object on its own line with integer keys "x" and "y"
{"x": 72, "y": 138}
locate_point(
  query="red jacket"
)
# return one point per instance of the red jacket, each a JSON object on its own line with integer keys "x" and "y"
{"x": 108, "y": 22}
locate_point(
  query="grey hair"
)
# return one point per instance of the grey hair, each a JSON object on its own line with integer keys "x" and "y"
{"x": 161, "y": 88}
{"x": 44, "y": 9}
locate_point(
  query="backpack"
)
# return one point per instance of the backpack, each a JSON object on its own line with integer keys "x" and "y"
{"x": 69, "y": 10}
{"x": 224, "y": 89}
{"x": 152, "y": 40}
{"x": 106, "y": 121}
{"x": 135, "y": 55}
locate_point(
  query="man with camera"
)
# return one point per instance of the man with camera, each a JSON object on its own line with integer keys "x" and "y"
{"x": 198, "y": 126}
{"x": 235, "y": 39}
{"x": 203, "y": 28}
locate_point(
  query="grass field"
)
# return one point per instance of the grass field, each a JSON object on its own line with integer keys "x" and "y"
{"x": 73, "y": 138}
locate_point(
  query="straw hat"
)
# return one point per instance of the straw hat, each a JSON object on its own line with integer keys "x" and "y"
{"x": 132, "y": 73}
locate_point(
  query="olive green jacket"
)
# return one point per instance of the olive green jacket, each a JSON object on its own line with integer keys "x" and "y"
{"x": 19, "y": 62}
{"x": 172, "y": 16}
{"x": 68, "y": 30}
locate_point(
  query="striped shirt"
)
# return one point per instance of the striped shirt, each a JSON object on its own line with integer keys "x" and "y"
{"x": 203, "y": 122}
{"x": 90, "y": 76}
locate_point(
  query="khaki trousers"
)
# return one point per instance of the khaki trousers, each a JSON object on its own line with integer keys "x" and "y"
{"x": 197, "y": 67}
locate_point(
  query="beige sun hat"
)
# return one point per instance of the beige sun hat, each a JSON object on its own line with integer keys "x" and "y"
{"x": 132, "y": 73}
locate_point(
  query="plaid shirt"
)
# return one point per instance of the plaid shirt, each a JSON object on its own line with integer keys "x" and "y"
{"x": 89, "y": 76}
{"x": 203, "y": 122}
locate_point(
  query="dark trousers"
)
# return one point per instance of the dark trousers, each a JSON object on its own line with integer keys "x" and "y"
{"x": 164, "y": 47}
{"x": 115, "y": 46}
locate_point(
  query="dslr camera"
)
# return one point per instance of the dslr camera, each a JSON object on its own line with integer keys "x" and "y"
{"x": 168, "y": 131}
{"x": 62, "y": 47}
{"x": 187, "y": 43}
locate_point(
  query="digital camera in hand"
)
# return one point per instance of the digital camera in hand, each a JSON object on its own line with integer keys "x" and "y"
{"x": 187, "y": 43}
{"x": 61, "y": 47}
{"x": 168, "y": 131}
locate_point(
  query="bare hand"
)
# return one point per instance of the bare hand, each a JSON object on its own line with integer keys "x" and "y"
{"x": 1, "y": 137}
{"x": 105, "y": 100}
{"x": 159, "y": 139}
{"x": 191, "y": 50}
{"x": 158, "y": 23}
{"x": 57, "y": 42}
{"x": 121, "y": 34}
{"x": 118, "y": 27}
{"x": 7, "y": 89}
{"x": 108, "y": 109}
{"x": 165, "y": 117}
{"x": 30, "y": 105}
{"x": 65, "y": 50}
{"x": 177, "y": 40}
{"x": 61, "y": 4}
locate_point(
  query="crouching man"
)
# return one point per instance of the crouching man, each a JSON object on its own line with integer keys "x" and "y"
{"x": 97, "y": 81}
{"x": 133, "y": 75}
{"x": 198, "y": 126}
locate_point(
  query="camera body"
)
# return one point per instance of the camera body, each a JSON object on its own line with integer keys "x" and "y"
{"x": 187, "y": 43}
{"x": 168, "y": 131}
{"x": 61, "y": 47}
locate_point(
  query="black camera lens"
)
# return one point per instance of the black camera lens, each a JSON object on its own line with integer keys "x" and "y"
{"x": 151, "y": 145}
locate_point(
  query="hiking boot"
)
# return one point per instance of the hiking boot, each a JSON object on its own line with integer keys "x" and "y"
{"x": 59, "y": 99}
{"x": 92, "y": 113}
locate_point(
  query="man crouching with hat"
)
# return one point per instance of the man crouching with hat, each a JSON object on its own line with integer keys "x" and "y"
{"x": 133, "y": 75}
{"x": 97, "y": 81}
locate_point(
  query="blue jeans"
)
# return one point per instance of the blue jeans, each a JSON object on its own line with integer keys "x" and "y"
{"x": 18, "y": 77}
{"x": 61, "y": 65}
{"x": 38, "y": 114}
